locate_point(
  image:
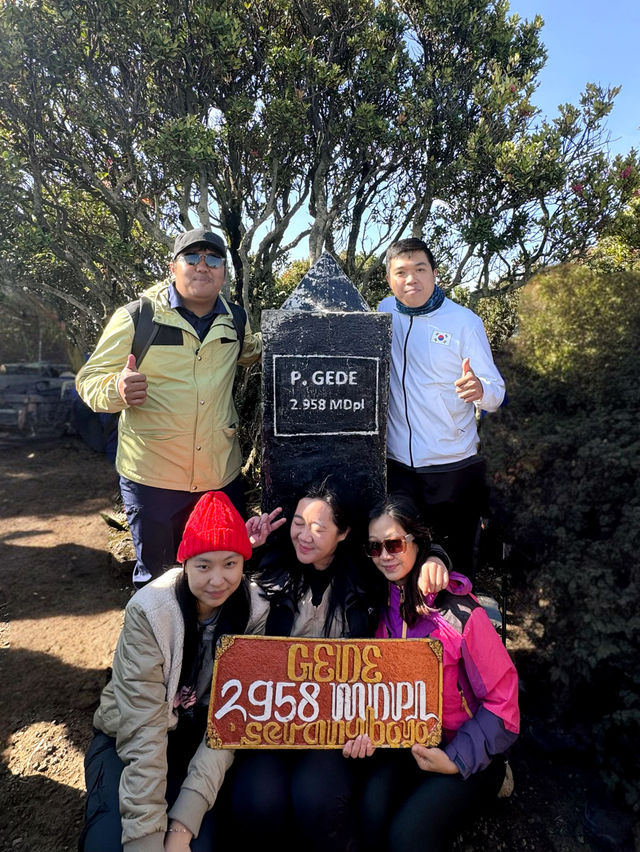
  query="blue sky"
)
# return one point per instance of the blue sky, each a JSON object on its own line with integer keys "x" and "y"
{"x": 590, "y": 42}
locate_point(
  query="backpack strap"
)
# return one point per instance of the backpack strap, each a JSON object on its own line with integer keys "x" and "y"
{"x": 141, "y": 312}
{"x": 239, "y": 320}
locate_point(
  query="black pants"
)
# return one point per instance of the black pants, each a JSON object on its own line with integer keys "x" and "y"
{"x": 102, "y": 830}
{"x": 156, "y": 519}
{"x": 290, "y": 800}
{"x": 404, "y": 809}
{"x": 451, "y": 503}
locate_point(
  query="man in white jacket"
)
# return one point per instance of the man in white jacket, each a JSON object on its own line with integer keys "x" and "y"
{"x": 442, "y": 375}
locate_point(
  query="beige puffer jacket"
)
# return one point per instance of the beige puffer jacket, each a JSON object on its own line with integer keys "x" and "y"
{"x": 136, "y": 708}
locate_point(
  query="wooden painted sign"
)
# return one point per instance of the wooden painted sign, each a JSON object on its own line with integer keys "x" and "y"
{"x": 276, "y": 692}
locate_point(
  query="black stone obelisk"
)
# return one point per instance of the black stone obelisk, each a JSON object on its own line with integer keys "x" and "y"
{"x": 325, "y": 392}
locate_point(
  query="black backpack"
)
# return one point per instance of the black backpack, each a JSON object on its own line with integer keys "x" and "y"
{"x": 141, "y": 312}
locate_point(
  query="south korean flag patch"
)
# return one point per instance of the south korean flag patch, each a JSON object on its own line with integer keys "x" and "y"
{"x": 442, "y": 337}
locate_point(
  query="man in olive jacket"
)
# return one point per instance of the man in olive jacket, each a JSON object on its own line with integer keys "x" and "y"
{"x": 177, "y": 430}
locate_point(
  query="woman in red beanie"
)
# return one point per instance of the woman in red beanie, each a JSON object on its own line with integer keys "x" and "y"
{"x": 148, "y": 749}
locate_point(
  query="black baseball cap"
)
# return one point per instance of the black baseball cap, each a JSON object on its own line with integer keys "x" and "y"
{"x": 199, "y": 237}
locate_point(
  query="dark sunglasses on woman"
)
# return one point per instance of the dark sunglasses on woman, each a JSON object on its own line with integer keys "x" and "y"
{"x": 391, "y": 545}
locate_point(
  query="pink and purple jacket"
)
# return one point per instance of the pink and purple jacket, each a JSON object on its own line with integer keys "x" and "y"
{"x": 480, "y": 713}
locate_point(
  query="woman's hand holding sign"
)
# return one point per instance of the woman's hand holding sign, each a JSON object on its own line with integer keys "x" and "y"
{"x": 360, "y": 747}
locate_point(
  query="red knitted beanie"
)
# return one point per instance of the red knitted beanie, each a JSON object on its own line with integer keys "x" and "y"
{"x": 214, "y": 524}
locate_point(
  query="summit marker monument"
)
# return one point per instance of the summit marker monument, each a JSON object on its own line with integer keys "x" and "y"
{"x": 325, "y": 391}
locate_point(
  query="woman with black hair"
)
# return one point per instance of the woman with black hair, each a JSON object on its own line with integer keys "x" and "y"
{"x": 418, "y": 800}
{"x": 314, "y": 585}
{"x": 148, "y": 754}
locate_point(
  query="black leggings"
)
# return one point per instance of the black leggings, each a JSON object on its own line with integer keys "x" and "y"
{"x": 404, "y": 809}
{"x": 102, "y": 829}
{"x": 290, "y": 799}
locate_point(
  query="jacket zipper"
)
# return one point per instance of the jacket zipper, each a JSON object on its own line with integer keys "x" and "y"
{"x": 463, "y": 701}
{"x": 404, "y": 390}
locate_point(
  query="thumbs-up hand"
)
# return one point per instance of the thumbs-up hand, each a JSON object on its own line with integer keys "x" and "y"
{"x": 468, "y": 386}
{"x": 132, "y": 385}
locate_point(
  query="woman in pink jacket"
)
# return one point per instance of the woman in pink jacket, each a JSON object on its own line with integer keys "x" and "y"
{"x": 420, "y": 800}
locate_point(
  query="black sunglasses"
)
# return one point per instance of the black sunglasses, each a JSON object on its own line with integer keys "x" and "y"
{"x": 391, "y": 545}
{"x": 211, "y": 260}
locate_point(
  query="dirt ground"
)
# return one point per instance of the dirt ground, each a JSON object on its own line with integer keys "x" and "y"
{"x": 62, "y": 593}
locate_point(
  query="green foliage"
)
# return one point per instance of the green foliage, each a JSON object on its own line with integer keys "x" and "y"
{"x": 370, "y": 278}
{"x": 573, "y": 317}
{"x": 498, "y": 314}
{"x": 287, "y": 282}
{"x": 565, "y": 452}
{"x": 123, "y": 122}
{"x": 619, "y": 247}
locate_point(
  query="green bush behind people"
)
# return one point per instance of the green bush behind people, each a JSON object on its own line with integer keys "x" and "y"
{"x": 564, "y": 454}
